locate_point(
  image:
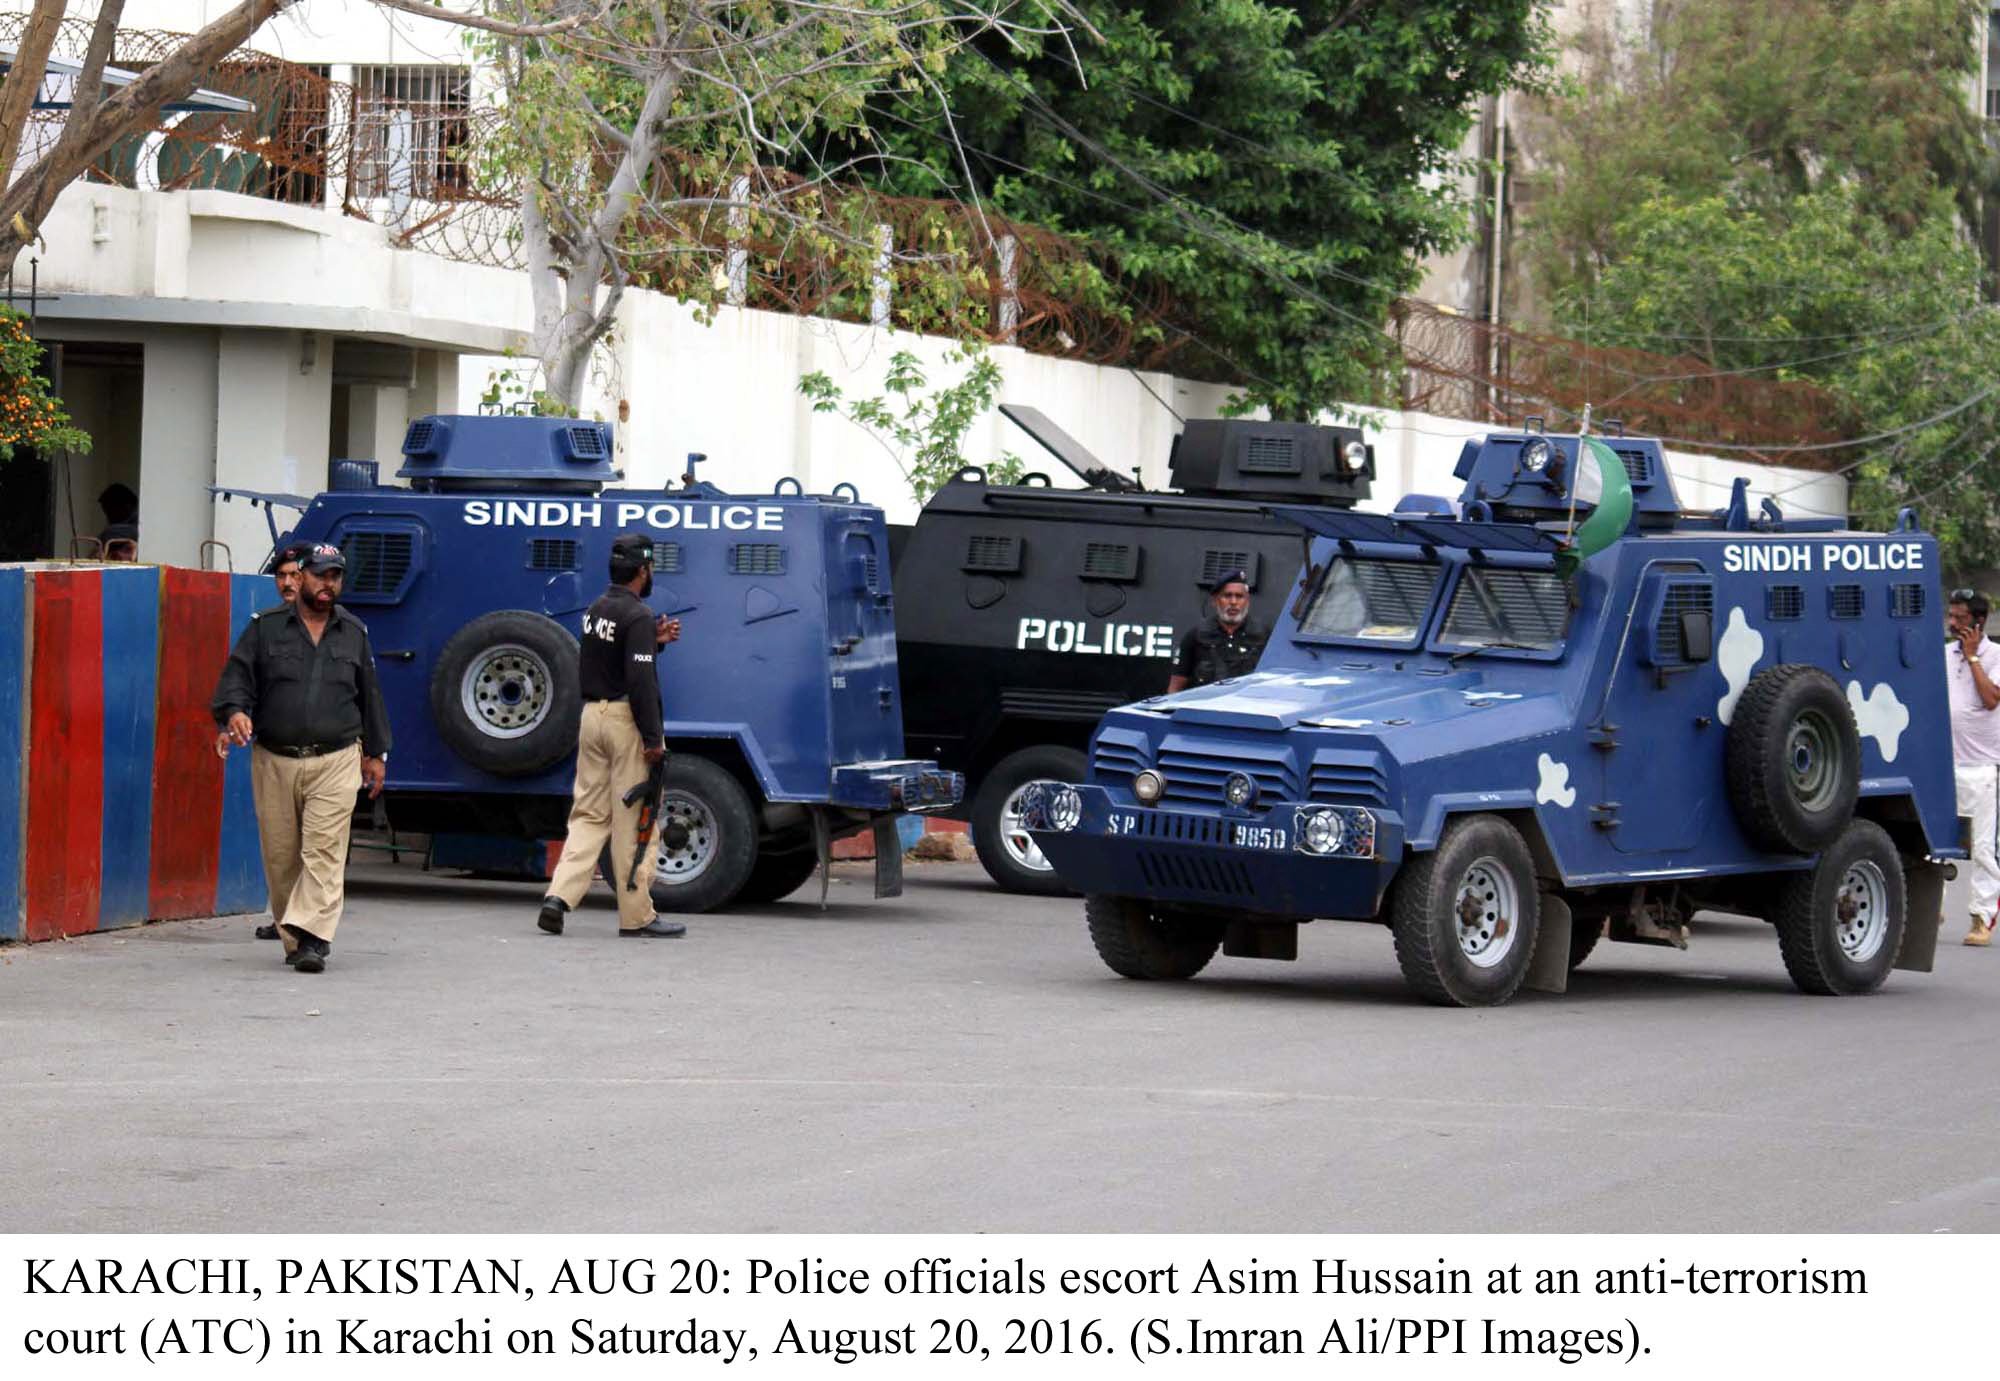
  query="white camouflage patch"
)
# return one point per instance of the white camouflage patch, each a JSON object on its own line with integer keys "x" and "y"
{"x": 1880, "y": 716}
{"x": 1738, "y": 654}
{"x": 1554, "y": 789}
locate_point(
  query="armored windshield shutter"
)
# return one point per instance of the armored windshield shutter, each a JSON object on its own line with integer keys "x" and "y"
{"x": 1680, "y": 597}
{"x": 378, "y": 563}
{"x": 992, "y": 553}
{"x": 1398, "y": 592}
{"x": 1496, "y": 605}
{"x": 1110, "y": 561}
{"x": 1216, "y": 560}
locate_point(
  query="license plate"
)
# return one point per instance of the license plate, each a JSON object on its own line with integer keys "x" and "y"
{"x": 1270, "y": 837}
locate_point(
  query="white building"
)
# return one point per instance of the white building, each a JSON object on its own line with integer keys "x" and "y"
{"x": 248, "y": 338}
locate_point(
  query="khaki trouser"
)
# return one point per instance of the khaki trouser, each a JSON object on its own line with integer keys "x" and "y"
{"x": 305, "y": 809}
{"x": 610, "y": 760}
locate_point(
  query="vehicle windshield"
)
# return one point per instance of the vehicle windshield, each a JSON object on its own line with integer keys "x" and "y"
{"x": 1496, "y": 607}
{"x": 1371, "y": 600}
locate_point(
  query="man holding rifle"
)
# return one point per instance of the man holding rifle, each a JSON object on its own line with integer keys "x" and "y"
{"x": 621, "y": 750}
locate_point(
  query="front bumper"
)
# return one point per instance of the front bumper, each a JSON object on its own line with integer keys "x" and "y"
{"x": 920, "y": 787}
{"x": 1214, "y": 858}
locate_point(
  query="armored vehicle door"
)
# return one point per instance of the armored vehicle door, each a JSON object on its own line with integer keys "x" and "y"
{"x": 866, "y": 721}
{"x": 1656, "y": 733}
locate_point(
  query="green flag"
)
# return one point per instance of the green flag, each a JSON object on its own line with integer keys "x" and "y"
{"x": 1608, "y": 520}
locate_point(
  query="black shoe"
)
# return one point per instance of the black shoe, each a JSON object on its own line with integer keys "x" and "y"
{"x": 309, "y": 953}
{"x": 659, "y": 928}
{"x": 553, "y": 911}
{"x": 268, "y": 932}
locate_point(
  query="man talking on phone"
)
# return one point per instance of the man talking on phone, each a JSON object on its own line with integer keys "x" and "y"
{"x": 619, "y": 742}
{"x": 1972, "y": 668}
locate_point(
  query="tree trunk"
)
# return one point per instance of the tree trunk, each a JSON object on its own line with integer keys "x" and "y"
{"x": 17, "y": 95}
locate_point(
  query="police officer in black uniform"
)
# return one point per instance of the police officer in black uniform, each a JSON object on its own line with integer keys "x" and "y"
{"x": 301, "y": 684}
{"x": 620, "y": 739}
{"x": 1228, "y": 642}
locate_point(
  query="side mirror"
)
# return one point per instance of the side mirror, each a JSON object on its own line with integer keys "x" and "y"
{"x": 1697, "y": 634}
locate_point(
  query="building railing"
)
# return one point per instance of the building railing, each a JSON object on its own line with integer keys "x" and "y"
{"x": 400, "y": 147}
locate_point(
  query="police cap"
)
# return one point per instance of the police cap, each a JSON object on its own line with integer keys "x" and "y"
{"x": 633, "y": 548}
{"x": 321, "y": 558}
{"x": 1228, "y": 578}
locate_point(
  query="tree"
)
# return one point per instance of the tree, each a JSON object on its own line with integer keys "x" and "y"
{"x": 924, "y": 433}
{"x": 1280, "y": 170}
{"x": 1820, "y": 287}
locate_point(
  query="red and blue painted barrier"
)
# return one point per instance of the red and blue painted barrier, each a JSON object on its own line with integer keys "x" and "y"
{"x": 114, "y": 808}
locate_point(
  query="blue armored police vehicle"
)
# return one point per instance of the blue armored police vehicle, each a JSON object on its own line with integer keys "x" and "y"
{"x": 1024, "y": 612}
{"x": 783, "y": 714}
{"x": 1545, "y": 719}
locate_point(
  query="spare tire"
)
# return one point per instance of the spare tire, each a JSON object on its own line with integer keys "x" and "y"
{"x": 1794, "y": 760}
{"x": 505, "y": 694}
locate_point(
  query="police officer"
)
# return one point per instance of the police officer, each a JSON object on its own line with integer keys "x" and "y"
{"x": 301, "y": 684}
{"x": 619, "y": 742}
{"x": 1228, "y": 642}
{"x": 285, "y": 575}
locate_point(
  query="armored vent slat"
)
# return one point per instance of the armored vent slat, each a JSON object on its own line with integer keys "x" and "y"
{"x": 378, "y": 562}
{"x": 1359, "y": 782}
{"x": 1398, "y": 592}
{"x": 586, "y": 443}
{"x": 1110, "y": 561}
{"x": 870, "y": 569}
{"x": 1683, "y": 596}
{"x": 1906, "y": 601}
{"x": 1198, "y": 776}
{"x": 993, "y": 554}
{"x": 1216, "y": 560}
{"x": 1270, "y": 455}
{"x": 417, "y": 440}
{"x": 1638, "y": 465}
{"x": 666, "y": 557}
{"x": 757, "y": 558}
{"x": 1785, "y": 602}
{"x": 551, "y": 554}
{"x": 1845, "y": 601}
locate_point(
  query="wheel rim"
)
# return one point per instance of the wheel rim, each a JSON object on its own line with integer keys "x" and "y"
{"x": 1019, "y": 844}
{"x": 687, "y": 840}
{"x": 1812, "y": 757}
{"x": 1486, "y": 914}
{"x": 507, "y": 691}
{"x": 1861, "y": 912}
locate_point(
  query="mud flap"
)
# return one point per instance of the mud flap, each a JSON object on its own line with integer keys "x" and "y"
{"x": 1923, "y": 913}
{"x": 823, "y": 847}
{"x": 888, "y": 858}
{"x": 1548, "y": 971}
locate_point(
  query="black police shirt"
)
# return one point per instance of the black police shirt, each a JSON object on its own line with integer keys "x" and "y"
{"x": 619, "y": 646}
{"x": 1212, "y": 653}
{"x": 302, "y": 694}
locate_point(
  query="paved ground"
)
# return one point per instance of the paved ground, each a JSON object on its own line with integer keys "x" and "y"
{"x": 959, "y": 1060}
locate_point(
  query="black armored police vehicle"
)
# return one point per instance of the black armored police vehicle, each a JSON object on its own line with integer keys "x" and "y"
{"x": 1024, "y": 612}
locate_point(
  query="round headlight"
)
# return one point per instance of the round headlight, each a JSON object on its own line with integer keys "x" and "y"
{"x": 1065, "y": 808}
{"x": 1324, "y": 832}
{"x": 1149, "y": 786}
{"x": 1355, "y": 453}
{"x": 1536, "y": 454}
{"x": 1239, "y": 790}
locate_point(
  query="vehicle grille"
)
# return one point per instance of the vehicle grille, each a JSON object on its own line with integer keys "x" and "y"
{"x": 1223, "y": 877}
{"x": 1193, "y": 775}
{"x": 1120, "y": 754}
{"x": 1348, "y": 779}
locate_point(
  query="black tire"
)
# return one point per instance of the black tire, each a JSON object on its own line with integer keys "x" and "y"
{"x": 1468, "y": 958}
{"x": 1794, "y": 760}
{"x": 1135, "y": 943}
{"x": 1005, "y": 864}
{"x": 706, "y": 837}
{"x": 1583, "y": 938}
{"x": 1840, "y": 923}
{"x": 504, "y": 693}
{"x": 776, "y": 876}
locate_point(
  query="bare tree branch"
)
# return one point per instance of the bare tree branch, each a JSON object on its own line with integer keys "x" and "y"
{"x": 31, "y": 62}
{"x": 467, "y": 20}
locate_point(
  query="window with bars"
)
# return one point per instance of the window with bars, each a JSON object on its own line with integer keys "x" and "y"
{"x": 1785, "y": 602}
{"x": 1906, "y": 601}
{"x": 551, "y": 554}
{"x": 379, "y": 564}
{"x": 1845, "y": 601}
{"x": 1216, "y": 560}
{"x": 756, "y": 558}
{"x": 1492, "y": 605}
{"x": 1682, "y": 596}
{"x": 1371, "y": 600}
{"x": 993, "y": 554}
{"x": 1110, "y": 561}
{"x": 411, "y": 129}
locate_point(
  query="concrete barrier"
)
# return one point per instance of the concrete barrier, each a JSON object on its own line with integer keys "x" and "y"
{"x": 114, "y": 809}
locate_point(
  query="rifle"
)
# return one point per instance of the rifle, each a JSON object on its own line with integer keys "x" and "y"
{"x": 649, "y": 811}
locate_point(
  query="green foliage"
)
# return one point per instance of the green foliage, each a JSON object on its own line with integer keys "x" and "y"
{"x": 1278, "y": 169}
{"x": 30, "y": 415}
{"x": 1821, "y": 287}
{"x": 923, "y": 432}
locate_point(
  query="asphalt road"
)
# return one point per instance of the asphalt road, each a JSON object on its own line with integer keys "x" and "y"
{"x": 959, "y": 1060}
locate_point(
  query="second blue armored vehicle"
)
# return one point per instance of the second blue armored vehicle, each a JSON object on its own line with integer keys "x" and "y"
{"x": 783, "y": 713}
{"x": 1505, "y": 741}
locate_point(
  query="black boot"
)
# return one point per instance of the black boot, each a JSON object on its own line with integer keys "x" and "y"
{"x": 309, "y": 954}
{"x": 659, "y": 928}
{"x": 553, "y": 911}
{"x": 268, "y": 932}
